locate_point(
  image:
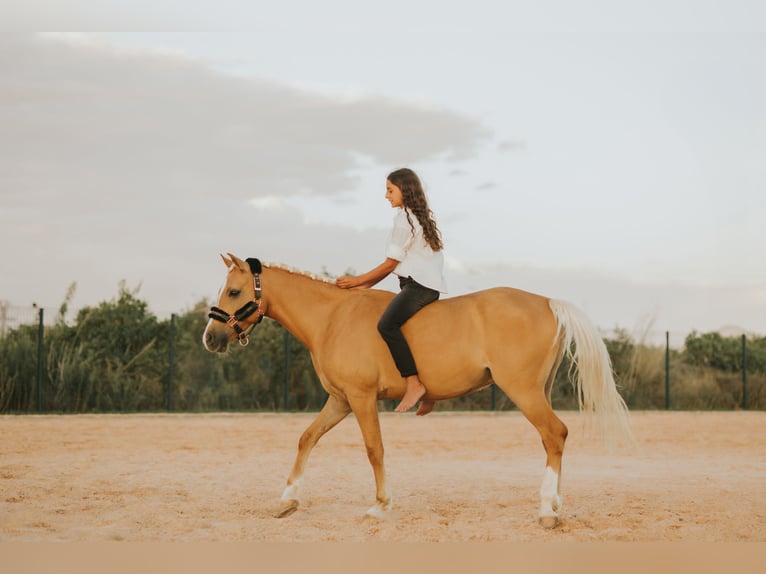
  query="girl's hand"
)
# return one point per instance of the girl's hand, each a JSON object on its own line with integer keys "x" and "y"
{"x": 346, "y": 282}
{"x": 367, "y": 280}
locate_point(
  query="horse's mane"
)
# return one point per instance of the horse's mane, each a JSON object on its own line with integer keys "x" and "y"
{"x": 294, "y": 271}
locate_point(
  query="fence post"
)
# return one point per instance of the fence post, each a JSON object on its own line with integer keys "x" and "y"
{"x": 667, "y": 370}
{"x": 40, "y": 350}
{"x": 171, "y": 359}
{"x": 744, "y": 372}
{"x": 3, "y": 318}
{"x": 286, "y": 402}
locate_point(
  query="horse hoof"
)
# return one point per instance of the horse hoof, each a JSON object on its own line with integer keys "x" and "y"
{"x": 549, "y": 522}
{"x": 290, "y": 507}
{"x": 378, "y": 511}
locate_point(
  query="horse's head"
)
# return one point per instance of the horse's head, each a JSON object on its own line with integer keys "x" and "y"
{"x": 239, "y": 305}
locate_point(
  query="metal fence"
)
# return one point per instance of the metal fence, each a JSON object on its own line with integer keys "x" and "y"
{"x": 12, "y": 317}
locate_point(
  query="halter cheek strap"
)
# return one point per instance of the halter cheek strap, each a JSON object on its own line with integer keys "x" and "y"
{"x": 256, "y": 269}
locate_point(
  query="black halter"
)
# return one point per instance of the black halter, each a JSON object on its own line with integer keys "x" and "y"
{"x": 246, "y": 310}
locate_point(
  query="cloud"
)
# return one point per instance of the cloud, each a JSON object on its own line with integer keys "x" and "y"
{"x": 87, "y": 120}
{"x": 123, "y": 163}
{"x": 511, "y": 145}
{"x": 268, "y": 202}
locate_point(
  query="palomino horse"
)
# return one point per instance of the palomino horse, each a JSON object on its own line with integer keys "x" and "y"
{"x": 461, "y": 344}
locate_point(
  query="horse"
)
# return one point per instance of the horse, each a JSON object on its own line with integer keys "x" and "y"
{"x": 511, "y": 337}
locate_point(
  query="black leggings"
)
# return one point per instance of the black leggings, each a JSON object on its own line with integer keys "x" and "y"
{"x": 411, "y": 299}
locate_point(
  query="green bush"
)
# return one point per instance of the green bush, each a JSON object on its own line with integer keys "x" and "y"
{"x": 115, "y": 357}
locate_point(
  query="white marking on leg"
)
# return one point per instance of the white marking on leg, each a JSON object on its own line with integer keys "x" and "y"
{"x": 380, "y": 509}
{"x": 291, "y": 492}
{"x": 550, "y": 501}
{"x": 376, "y": 512}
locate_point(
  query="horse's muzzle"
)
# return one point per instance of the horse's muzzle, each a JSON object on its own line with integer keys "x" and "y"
{"x": 215, "y": 340}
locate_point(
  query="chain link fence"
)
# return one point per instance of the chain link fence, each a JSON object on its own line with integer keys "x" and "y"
{"x": 13, "y": 316}
{"x": 654, "y": 375}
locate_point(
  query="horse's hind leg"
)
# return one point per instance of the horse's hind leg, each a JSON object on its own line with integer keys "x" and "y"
{"x": 334, "y": 411}
{"x": 538, "y": 411}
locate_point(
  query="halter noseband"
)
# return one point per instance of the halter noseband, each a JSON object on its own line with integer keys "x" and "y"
{"x": 246, "y": 310}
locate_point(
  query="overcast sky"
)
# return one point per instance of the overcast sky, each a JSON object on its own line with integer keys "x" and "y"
{"x": 614, "y": 157}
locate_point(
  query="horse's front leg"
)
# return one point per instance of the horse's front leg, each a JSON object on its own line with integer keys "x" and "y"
{"x": 334, "y": 411}
{"x": 366, "y": 411}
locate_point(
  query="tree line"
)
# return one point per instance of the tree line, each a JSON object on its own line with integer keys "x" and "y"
{"x": 119, "y": 357}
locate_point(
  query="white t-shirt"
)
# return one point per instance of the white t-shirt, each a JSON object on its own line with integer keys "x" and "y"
{"x": 416, "y": 258}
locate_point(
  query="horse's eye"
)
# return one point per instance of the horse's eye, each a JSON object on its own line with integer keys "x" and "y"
{"x": 234, "y": 293}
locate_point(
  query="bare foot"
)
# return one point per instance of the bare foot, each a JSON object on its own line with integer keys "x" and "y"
{"x": 425, "y": 408}
{"x": 415, "y": 390}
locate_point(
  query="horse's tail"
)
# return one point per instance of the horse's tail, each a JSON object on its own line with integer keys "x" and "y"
{"x": 591, "y": 372}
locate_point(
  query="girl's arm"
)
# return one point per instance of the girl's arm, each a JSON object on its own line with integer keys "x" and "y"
{"x": 370, "y": 278}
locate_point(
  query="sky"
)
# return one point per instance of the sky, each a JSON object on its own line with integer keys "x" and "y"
{"x": 611, "y": 154}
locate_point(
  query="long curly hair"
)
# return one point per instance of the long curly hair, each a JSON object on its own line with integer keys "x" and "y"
{"x": 415, "y": 201}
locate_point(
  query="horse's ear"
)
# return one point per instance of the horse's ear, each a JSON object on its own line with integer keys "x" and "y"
{"x": 255, "y": 265}
{"x": 239, "y": 263}
{"x": 228, "y": 262}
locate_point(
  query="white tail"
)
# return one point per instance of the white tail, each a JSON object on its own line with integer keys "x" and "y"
{"x": 591, "y": 373}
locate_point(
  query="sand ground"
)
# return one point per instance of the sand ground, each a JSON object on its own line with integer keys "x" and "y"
{"x": 454, "y": 476}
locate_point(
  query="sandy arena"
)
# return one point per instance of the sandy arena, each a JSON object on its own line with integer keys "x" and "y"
{"x": 454, "y": 477}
